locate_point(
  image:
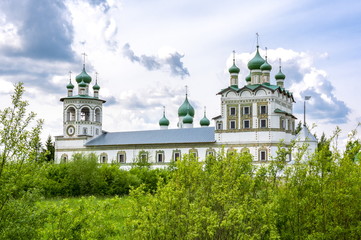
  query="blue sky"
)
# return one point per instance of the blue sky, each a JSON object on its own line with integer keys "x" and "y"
{"x": 147, "y": 51}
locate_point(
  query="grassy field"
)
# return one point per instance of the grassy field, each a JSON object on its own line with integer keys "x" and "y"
{"x": 84, "y": 218}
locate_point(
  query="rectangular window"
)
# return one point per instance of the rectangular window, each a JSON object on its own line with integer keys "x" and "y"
{"x": 246, "y": 124}
{"x": 263, "y": 123}
{"x": 232, "y": 124}
{"x": 263, "y": 110}
{"x": 160, "y": 157}
{"x": 232, "y": 111}
{"x": 246, "y": 111}
{"x": 121, "y": 158}
{"x": 262, "y": 155}
{"x": 176, "y": 156}
{"x": 282, "y": 123}
{"x": 219, "y": 126}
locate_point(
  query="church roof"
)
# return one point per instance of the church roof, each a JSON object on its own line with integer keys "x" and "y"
{"x": 305, "y": 135}
{"x": 81, "y": 97}
{"x": 163, "y": 136}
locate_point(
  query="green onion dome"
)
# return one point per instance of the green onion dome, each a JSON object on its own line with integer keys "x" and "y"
{"x": 185, "y": 108}
{"x": 280, "y": 75}
{"x": 256, "y": 62}
{"x": 266, "y": 66}
{"x": 163, "y": 121}
{"x": 96, "y": 87}
{"x": 234, "y": 69}
{"x": 204, "y": 121}
{"x": 188, "y": 119}
{"x": 83, "y": 76}
{"x": 70, "y": 86}
{"x": 82, "y": 84}
{"x": 248, "y": 78}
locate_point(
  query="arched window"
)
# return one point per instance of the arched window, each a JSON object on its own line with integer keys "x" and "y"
{"x": 121, "y": 157}
{"x": 64, "y": 158}
{"x": 193, "y": 153}
{"x": 103, "y": 158}
{"x": 176, "y": 155}
{"x": 85, "y": 114}
{"x": 70, "y": 114}
{"x": 159, "y": 156}
{"x": 210, "y": 152}
{"x": 262, "y": 155}
{"x": 97, "y": 115}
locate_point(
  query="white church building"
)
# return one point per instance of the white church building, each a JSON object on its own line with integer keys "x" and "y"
{"x": 255, "y": 117}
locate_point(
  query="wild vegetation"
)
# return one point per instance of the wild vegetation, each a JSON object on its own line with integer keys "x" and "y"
{"x": 225, "y": 196}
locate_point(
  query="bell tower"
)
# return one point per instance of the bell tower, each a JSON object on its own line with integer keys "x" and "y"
{"x": 82, "y": 113}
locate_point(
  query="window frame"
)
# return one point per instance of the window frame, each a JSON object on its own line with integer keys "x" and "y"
{"x": 244, "y": 124}
{"x": 263, "y": 121}
{"x": 160, "y": 157}
{"x": 244, "y": 110}
{"x": 261, "y": 157}
{"x": 121, "y": 154}
{"x": 230, "y": 124}
{"x": 175, "y": 158}
{"x": 263, "y": 109}
{"x": 234, "y": 112}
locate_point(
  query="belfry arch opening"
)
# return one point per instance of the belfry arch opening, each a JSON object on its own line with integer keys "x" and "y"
{"x": 85, "y": 114}
{"x": 70, "y": 114}
{"x": 97, "y": 115}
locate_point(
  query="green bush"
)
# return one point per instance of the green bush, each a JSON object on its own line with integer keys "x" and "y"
{"x": 228, "y": 197}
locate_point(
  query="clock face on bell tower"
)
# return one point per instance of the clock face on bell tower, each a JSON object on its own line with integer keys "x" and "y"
{"x": 70, "y": 130}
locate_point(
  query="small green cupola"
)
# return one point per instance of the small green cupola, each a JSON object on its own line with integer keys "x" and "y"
{"x": 188, "y": 119}
{"x": 186, "y": 108}
{"x": 70, "y": 85}
{"x": 96, "y": 87}
{"x": 280, "y": 77}
{"x": 204, "y": 122}
{"x": 234, "y": 69}
{"x": 266, "y": 66}
{"x": 83, "y": 76}
{"x": 256, "y": 62}
{"x": 163, "y": 122}
{"x": 82, "y": 84}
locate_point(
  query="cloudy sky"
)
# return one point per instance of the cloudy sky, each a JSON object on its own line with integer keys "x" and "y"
{"x": 147, "y": 51}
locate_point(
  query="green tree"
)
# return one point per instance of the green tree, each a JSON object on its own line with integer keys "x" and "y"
{"x": 49, "y": 150}
{"x": 19, "y": 171}
{"x": 299, "y": 127}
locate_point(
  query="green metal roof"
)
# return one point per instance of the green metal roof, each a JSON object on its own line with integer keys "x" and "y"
{"x": 277, "y": 110}
{"x": 266, "y": 66}
{"x": 82, "y": 97}
{"x": 234, "y": 69}
{"x": 188, "y": 119}
{"x": 256, "y": 61}
{"x": 280, "y": 75}
{"x": 185, "y": 108}
{"x": 96, "y": 87}
{"x": 83, "y": 76}
{"x": 70, "y": 86}
{"x": 163, "y": 121}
